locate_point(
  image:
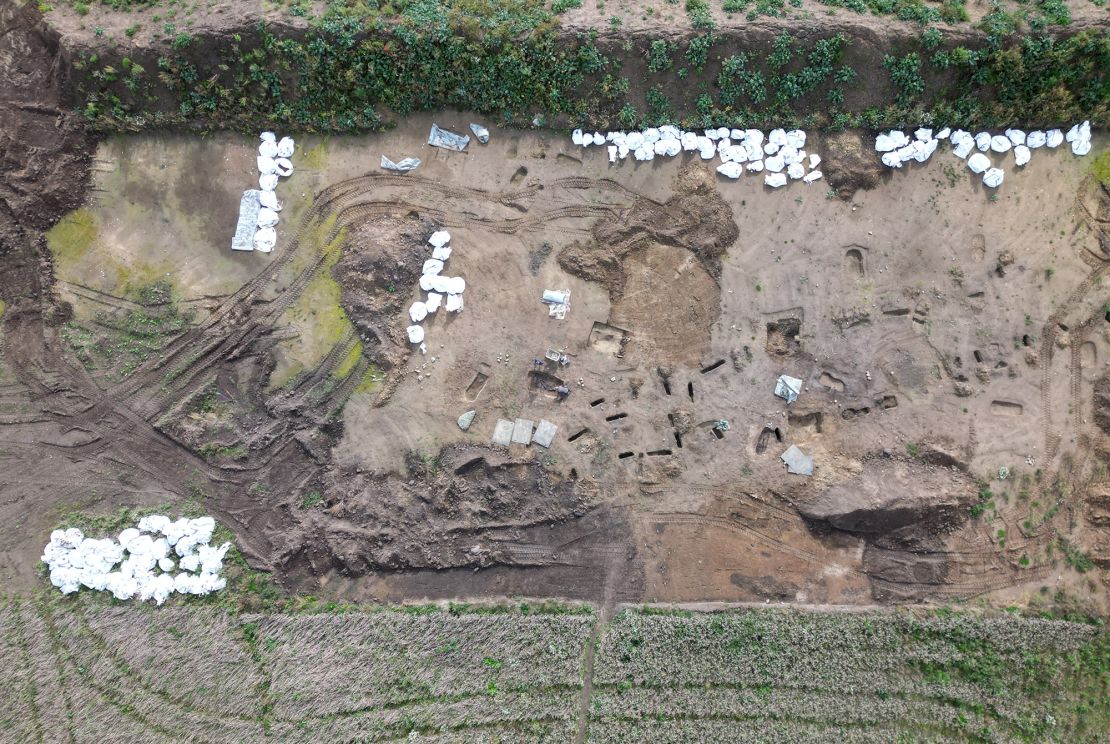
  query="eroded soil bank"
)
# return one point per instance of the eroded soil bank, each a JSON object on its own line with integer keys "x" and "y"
{"x": 941, "y": 334}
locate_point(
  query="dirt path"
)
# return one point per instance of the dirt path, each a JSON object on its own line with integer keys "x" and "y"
{"x": 606, "y": 611}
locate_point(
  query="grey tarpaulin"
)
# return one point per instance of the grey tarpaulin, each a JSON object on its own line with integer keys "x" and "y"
{"x": 522, "y": 431}
{"x": 797, "y": 462}
{"x": 467, "y": 419}
{"x": 480, "y": 132}
{"x": 249, "y": 206}
{"x": 404, "y": 166}
{"x": 447, "y": 140}
{"x": 788, "y": 388}
{"x": 544, "y": 433}
{"x": 502, "y": 432}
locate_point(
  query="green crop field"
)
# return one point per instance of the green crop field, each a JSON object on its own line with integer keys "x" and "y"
{"x": 86, "y": 672}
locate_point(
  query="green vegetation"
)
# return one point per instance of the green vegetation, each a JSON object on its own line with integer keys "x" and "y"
{"x": 769, "y": 8}
{"x": 1100, "y": 169}
{"x": 117, "y": 342}
{"x": 512, "y": 59}
{"x": 700, "y": 17}
{"x": 317, "y": 313}
{"x": 986, "y": 500}
{"x": 336, "y": 672}
{"x": 883, "y": 677}
{"x": 222, "y": 451}
{"x": 659, "y": 56}
{"x": 905, "y": 73}
{"x": 1075, "y": 557}
{"x": 72, "y": 237}
{"x": 906, "y": 10}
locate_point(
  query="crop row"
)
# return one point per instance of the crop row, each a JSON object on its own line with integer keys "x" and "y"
{"x": 343, "y": 663}
{"x": 82, "y": 671}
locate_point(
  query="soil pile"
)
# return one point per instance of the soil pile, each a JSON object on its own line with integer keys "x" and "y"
{"x": 854, "y": 166}
{"x": 449, "y": 513}
{"x": 695, "y": 219}
{"x": 894, "y": 499}
{"x": 377, "y": 273}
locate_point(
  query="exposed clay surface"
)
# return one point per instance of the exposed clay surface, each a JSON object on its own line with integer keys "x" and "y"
{"x": 940, "y": 336}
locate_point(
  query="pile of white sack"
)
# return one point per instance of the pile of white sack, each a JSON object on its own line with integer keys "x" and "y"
{"x": 138, "y": 564}
{"x": 445, "y": 290}
{"x": 273, "y": 161}
{"x": 780, "y": 156}
{"x": 897, "y": 147}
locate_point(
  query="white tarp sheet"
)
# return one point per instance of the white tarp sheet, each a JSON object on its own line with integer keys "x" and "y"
{"x": 797, "y": 462}
{"x": 447, "y": 140}
{"x": 249, "y": 206}
{"x": 480, "y": 133}
{"x": 402, "y": 166}
{"x": 788, "y": 388}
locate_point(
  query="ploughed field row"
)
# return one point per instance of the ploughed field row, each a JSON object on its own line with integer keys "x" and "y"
{"x": 85, "y": 671}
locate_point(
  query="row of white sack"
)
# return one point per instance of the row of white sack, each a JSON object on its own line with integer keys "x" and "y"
{"x": 157, "y": 587}
{"x": 437, "y": 287}
{"x": 271, "y": 148}
{"x": 898, "y": 148}
{"x": 101, "y": 560}
{"x": 423, "y": 308}
{"x": 781, "y": 147}
{"x": 795, "y": 138}
{"x": 273, "y": 162}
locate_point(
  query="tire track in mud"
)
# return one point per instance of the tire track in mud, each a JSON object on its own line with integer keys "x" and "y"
{"x": 346, "y": 389}
{"x": 1076, "y": 374}
{"x": 339, "y": 200}
{"x": 123, "y": 415}
{"x": 681, "y": 519}
{"x": 1048, "y": 341}
{"x": 961, "y": 588}
{"x": 332, "y": 359}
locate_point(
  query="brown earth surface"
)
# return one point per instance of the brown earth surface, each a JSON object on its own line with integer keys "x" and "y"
{"x": 940, "y": 335}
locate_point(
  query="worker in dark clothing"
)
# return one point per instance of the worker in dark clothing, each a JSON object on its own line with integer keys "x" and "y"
{"x": 562, "y": 391}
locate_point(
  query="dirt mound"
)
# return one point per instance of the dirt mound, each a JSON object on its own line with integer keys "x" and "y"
{"x": 696, "y": 219}
{"x": 377, "y": 273}
{"x": 43, "y": 148}
{"x": 447, "y": 514}
{"x": 894, "y": 497}
{"x": 1102, "y": 403}
{"x": 852, "y": 164}
{"x": 642, "y": 257}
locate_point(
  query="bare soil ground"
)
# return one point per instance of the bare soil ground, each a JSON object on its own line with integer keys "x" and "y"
{"x": 942, "y": 334}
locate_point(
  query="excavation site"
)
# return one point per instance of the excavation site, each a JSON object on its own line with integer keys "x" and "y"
{"x": 511, "y": 371}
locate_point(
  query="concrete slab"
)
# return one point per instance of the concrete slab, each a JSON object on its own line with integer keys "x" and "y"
{"x": 522, "y": 431}
{"x": 502, "y": 432}
{"x": 797, "y": 462}
{"x": 545, "y": 433}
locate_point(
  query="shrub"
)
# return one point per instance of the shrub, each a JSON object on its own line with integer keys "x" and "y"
{"x": 905, "y": 73}
{"x": 659, "y": 56}
{"x": 700, "y": 17}
{"x": 697, "y": 53}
